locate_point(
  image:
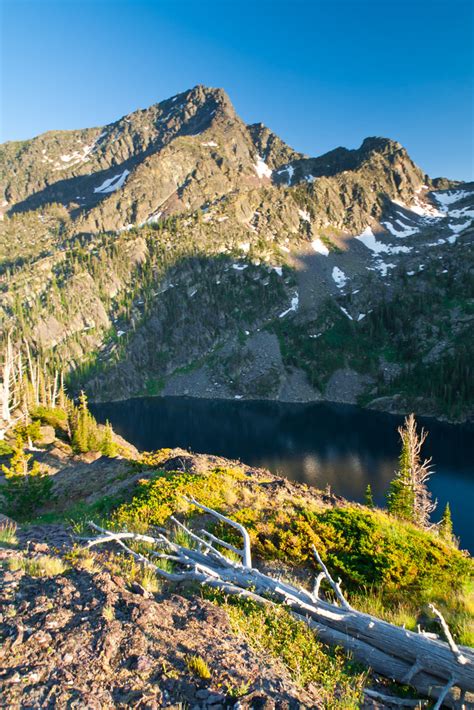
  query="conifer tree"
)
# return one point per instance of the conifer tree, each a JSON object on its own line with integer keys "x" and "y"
{"x": 84, "y": 427}
{"x": 108, "y": 447}
{"x": 369, "y": 498}
{"x": 401, "y": 497}
{"x": 445, "y": 527}
{"x": 19, "y": 460}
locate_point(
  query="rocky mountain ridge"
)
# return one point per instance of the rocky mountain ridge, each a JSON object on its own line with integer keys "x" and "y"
{"x": 179, "y": 250}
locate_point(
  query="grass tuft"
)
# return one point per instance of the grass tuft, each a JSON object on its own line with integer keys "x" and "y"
{"x": 108, "y": 612}
{"x": 42, "y": 566}
{"x": 198, "y": 666}
{"x": 8, "y": 536}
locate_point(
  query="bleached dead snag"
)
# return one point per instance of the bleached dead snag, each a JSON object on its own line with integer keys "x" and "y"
{"x": 430, "y": 665}
{"x": 207, "y": 545}
{"x": 335, "y": 585}
{"x": 9, "y": 395}
{"x": 117, "y": 536}
{"x": 246, "y": 553}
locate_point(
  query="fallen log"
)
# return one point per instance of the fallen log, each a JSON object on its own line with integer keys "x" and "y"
{"x": 437, "y": 670}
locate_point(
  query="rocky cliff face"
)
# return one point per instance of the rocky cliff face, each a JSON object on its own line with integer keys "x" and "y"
{"x": 154, "y": 253}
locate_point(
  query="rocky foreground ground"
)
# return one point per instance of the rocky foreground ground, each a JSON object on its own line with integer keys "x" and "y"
{"x": 77, "y": 634}
{"x": 85, "y": 639}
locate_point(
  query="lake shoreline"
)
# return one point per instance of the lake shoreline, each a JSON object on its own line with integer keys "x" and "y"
{"x": 467, "y": 422}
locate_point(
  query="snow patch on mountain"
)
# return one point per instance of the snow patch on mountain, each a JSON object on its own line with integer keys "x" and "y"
{"x": 346, "y": 312}
{"x": 113, "y": 183}
{"x": 402, "y": 231}
{"x": 383, "y": 267}
{"x": 319, "y": 247}
{"x": 421, "y": 208}
{"x": 304, "y": 215}
{"x": 262, "y": 169}
{"x": 463, "y": 212}
{"x": 339, "y": 277}
{"x": 294, "y": 306}
{"x": 457, "y": 228}
{"x": 448, "y": 198}
{"x": 368, "y": 240}
{"x": 288, "y": 169}
{"x": 239, "y": 267}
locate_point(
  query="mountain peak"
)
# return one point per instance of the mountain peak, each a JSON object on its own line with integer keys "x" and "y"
{"x": 216, "y": 98}
{"x": 382, "y": 145}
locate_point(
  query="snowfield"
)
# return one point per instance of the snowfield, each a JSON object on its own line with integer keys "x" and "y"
{"x": 290, "y": 170}
{"x": 402, "y": 231}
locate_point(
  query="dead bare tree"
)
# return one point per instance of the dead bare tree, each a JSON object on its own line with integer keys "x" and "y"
{"x": 24, "y": 387}
{"x": 437, "y": 670}
{"x": 9, "y": 393}
{"x": 409, "y": 496}
{"x": 421, "y": 470}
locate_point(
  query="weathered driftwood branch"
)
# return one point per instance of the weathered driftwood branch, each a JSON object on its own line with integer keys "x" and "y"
{"x": 247, "y": 557}
{"x": 222, "y": 543}
{"x": 317, "y": 584}
{"x": 416, "y": 667}
{"x": 451, "y": 642}
{"x": 335, "y": 585}
{"x": 443, "y": 694}
{"x": 394, "y": 700}
{"x": 437, "y": 670}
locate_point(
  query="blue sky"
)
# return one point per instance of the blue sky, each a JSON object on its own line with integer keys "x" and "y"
{"x": 320, "y": 73}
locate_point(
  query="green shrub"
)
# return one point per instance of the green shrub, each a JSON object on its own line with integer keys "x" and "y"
{"x": 158, "y": 498}
{"x": 27, "y": 487}
{"x": 55, "y": 417}
{"x": 367, "y": 548}
{"x": 5, "y": 448}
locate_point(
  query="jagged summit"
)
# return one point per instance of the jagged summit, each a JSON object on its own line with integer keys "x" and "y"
{"x": 339, "y": 160}
{"x": 35, "y": 172}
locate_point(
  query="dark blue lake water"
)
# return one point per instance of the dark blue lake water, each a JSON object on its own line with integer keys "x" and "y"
{"x": 318, "y": 444}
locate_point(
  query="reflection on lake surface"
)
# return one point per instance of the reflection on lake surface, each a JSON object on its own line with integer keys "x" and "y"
{"x": 318, "y": 444}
